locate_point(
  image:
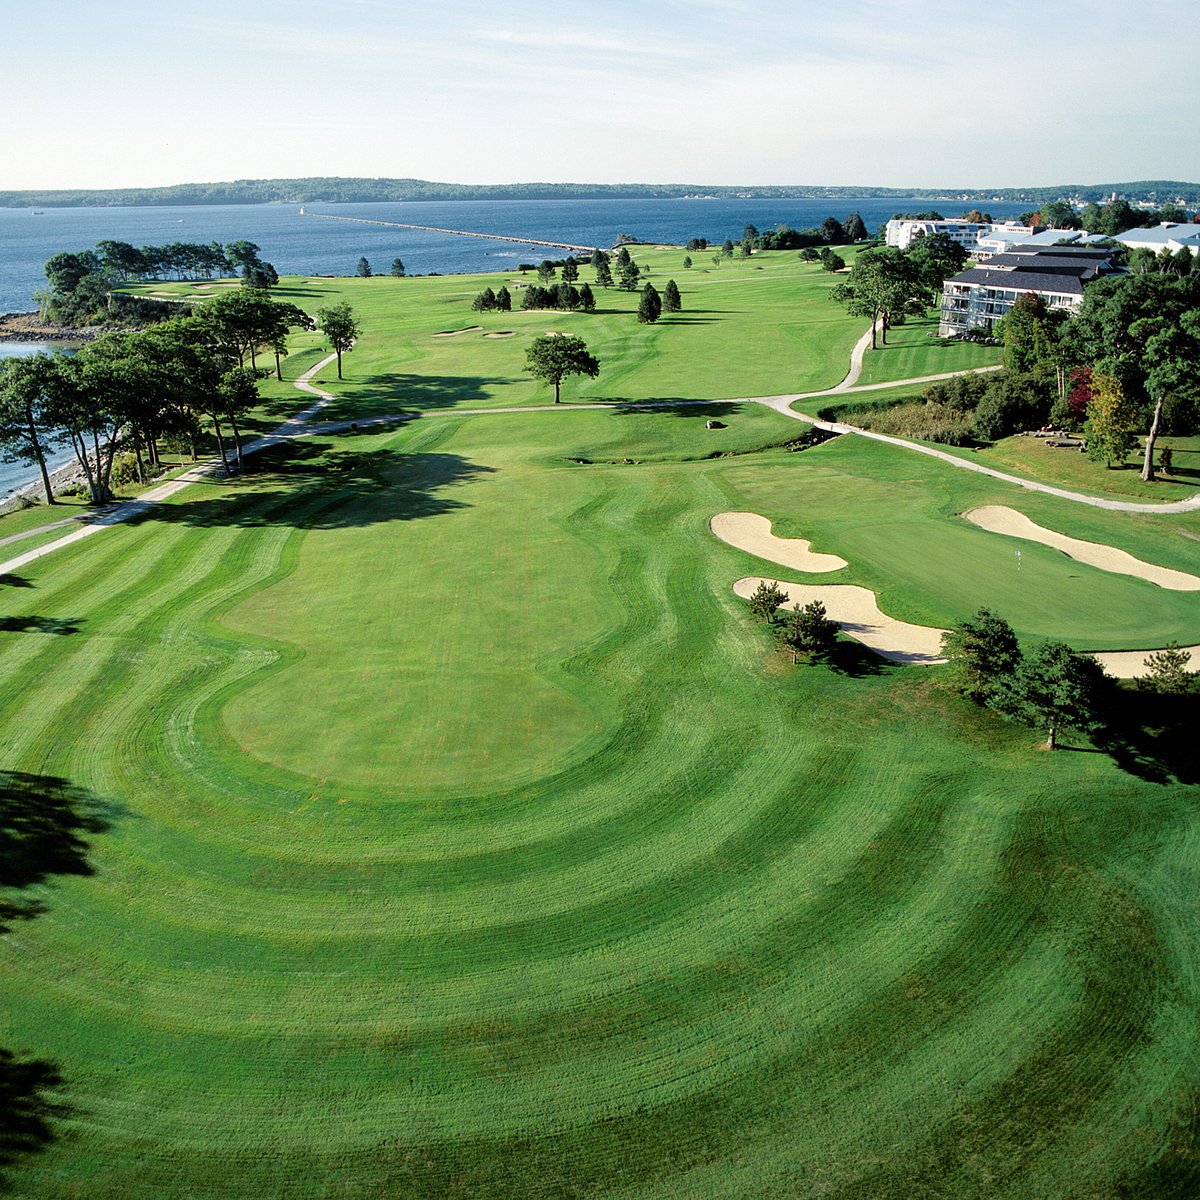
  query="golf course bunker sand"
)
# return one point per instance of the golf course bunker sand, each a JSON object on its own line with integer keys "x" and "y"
{"x": 1131, "y": 664}
{"x": 458, "y": 332}
{"x": 502, "y": 334}
{"x": 752, "y": 533}
{"x": 855, "y": 610}
{"x": 998, "y": 519}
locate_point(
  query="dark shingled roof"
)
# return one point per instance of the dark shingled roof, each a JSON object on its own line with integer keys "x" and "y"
{"x": 1022, "y": 281}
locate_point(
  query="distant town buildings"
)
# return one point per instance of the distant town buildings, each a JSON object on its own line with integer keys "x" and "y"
{"x": 977, "y": 298}
{"x": 1167, "y": 236}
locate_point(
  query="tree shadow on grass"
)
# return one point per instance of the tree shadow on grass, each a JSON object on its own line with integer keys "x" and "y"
{"x": 856, "y": 660}
{"x": 27, "y": 1108}
{"x": 43, "y": 823}
{"x": 328, "y": 486}
{"x": 1152, "y": 736}
{"x": 59, "y": 625}
{"x": 672, "y": 407}
{"x": 17, "y": 581}
{"x": 410, "y": 393}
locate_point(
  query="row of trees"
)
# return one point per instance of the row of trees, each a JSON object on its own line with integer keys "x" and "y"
{"x": 80, "y": 286}
{"x": 1128, "y": 362}
{"x": 132, "y": 389}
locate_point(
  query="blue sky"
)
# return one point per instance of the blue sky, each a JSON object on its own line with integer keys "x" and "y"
{"x": 112, "y": 93}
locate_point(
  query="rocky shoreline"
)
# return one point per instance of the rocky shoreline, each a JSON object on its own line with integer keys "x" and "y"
{"x": 29, "y": 327}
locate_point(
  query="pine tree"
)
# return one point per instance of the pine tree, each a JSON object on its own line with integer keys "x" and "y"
{"x": 587, "y": 301}
{"x": 629, "y": 274}
{"x": 671, "y": 302}
{"x": 364, "y": 268}
{"x": 570, "y": 272}
{"x": 650, "y": 306}
{"x": 603, "y": 274}
{"x": 504, "y": 300}
{"x": 397, "y": 268}
{"x": 687, "y": 262}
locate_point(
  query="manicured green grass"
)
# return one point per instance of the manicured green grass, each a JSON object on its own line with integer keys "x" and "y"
{"x": 1033, "y": 459}
{"x": 763, "y": 326}
{"x": 467, "y": 839}
{"x": 914, "y": 349}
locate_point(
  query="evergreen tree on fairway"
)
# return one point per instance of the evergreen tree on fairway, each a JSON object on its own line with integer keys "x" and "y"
{"x": 983, "y": 653}
{"x": 587, "y": 300}
{"x": 603, "y": 274}
{"x": 504, "y": 300}
{"x": 397, "y": 268}
{"x": 650, "y": 306}
{"x": 687, "y": 262}
{"x": 671, "y": 302}
{"x": 767, "y": 600}
{"x": 808, "y": 631}
{"x": 570, "y": 272}
{"x": 364, "y": 269}
{"x": 630, "y": 272}
{"x": 1057, "y": 688}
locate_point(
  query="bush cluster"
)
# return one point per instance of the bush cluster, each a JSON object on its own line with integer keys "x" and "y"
{"x": 960, "y": 411}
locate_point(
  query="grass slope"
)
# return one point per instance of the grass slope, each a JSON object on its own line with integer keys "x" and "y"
{"x": 716, "y": 927}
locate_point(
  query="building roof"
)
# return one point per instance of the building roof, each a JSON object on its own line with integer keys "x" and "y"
{"x": 1022, "y": 281}
{"x": 1167, "y": 235}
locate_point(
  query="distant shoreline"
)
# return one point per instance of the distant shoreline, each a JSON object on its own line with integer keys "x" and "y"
{"x": 356, "y": 190}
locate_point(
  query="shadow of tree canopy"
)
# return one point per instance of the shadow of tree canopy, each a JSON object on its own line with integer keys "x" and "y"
{"x": 60, "y": 625}
{"x": 416, "y": 392}
{"x": 677, "y": 407}
{"x": 27, "y": 1112}
{"x": 329, "y": 486}
{"x": 17, "y": 581}
{"x": 43, "y": 820}
{"x": 1152, "y": 736}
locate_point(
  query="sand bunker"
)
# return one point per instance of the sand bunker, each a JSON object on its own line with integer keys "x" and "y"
{"x": 458, "y": 332}
{"x": 502, "y": 334}
{"x": 752, "y": 533}
{"x": 855, "y": 610}
{"x": 998, "y": 519}
{"x": 1131, "y": 664}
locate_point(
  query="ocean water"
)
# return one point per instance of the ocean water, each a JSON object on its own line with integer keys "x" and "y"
{"x": 298, "y": 244}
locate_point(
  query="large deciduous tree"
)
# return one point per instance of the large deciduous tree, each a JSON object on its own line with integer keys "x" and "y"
{"x": 557, "y": 355}
{"x": 24, "y": 436}
{"x": 936, "y": 256}
{"x": 1144, "y": 330}
{"x": 884, "y": 285}
{"x": 340, "y": 327}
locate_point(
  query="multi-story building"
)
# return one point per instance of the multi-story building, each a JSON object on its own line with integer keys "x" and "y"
{"x": 902, "y": 230}
{"x": 976, "y": 299}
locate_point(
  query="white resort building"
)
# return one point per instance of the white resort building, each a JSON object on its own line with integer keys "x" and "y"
{"x": 977, "y": 298}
